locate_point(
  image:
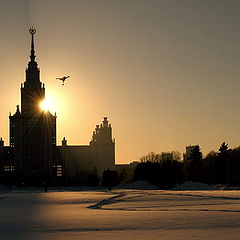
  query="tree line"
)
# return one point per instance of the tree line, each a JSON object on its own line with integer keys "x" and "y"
{"x": 222, "y": 167}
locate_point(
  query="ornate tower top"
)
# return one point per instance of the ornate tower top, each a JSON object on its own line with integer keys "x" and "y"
{"x": 32, "y": 31}
{"x": 102, "y": 134}
{"x": 32, "y": 90}
{"x": 32, "y": 72}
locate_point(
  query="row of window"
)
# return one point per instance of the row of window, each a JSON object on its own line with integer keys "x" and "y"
{"x": 59, "y": 170}
{"x": 10, "y": 168}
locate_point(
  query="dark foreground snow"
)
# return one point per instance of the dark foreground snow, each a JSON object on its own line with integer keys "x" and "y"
{"x": 122, "y": 214}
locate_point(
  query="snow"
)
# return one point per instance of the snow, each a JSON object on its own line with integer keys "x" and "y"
{"x": 192, "y": 186}
{"x": 189, "y": 185}
{"x": 120, "y": 214}
{"x": 4, "y": 189}
{"x": 140, "y": 185}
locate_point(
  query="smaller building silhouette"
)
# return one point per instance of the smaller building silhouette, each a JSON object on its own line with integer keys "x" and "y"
{"x": 96, "y": 157}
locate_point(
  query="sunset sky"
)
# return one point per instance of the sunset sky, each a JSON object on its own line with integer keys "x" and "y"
{"x": 165, "y": 72}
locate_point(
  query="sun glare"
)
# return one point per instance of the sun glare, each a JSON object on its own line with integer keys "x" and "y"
{"x": 47, "y": 105}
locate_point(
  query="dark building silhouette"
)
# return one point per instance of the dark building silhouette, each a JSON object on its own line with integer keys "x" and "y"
{"x": 33, "y": 156}
{"x": 32, "y": 131}
{"x": 96, "y": 157}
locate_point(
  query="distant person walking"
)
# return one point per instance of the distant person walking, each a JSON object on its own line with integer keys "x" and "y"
{"x": 109, "y": 186}
{"x": 45, "y": 186}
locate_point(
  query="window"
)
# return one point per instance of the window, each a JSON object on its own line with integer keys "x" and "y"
{"x": 6, "y": 168}
{"x": 59, "y": 170}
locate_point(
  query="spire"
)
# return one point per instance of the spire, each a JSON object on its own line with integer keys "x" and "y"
{"x": 32, "y": 31}
{"x": 32, "y": 90}
{"x": 32, "y": 72}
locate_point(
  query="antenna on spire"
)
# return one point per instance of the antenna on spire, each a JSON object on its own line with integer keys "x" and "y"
{"x": 32, "y": 31}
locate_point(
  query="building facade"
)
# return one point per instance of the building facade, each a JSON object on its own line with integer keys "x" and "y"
{"x": 33, "y": 157}
{"x": 94, "y": 158}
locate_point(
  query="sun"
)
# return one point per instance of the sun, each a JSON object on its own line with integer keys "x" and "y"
{"x": 47, "y": 105}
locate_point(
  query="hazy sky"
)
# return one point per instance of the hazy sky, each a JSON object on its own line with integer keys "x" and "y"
{"x": 165, "y": 72}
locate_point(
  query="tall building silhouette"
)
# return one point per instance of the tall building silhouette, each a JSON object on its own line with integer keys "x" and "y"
{"x": 32, "y": 131}
{"x": 33, "y": 157}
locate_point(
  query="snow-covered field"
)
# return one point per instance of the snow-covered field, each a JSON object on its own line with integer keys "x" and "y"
{"x": 122, "y": 214}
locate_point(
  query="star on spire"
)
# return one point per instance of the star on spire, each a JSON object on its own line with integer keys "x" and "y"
{"x": 32, "y": 31}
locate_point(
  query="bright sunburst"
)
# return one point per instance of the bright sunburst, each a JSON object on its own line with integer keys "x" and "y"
{"x": 47, "y": 105}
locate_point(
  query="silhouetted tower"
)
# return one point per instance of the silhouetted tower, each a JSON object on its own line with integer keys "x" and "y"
{"x": 103, "y": 147}
{"x": 32, "y": 91}
{"x": 32, "y": 131}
